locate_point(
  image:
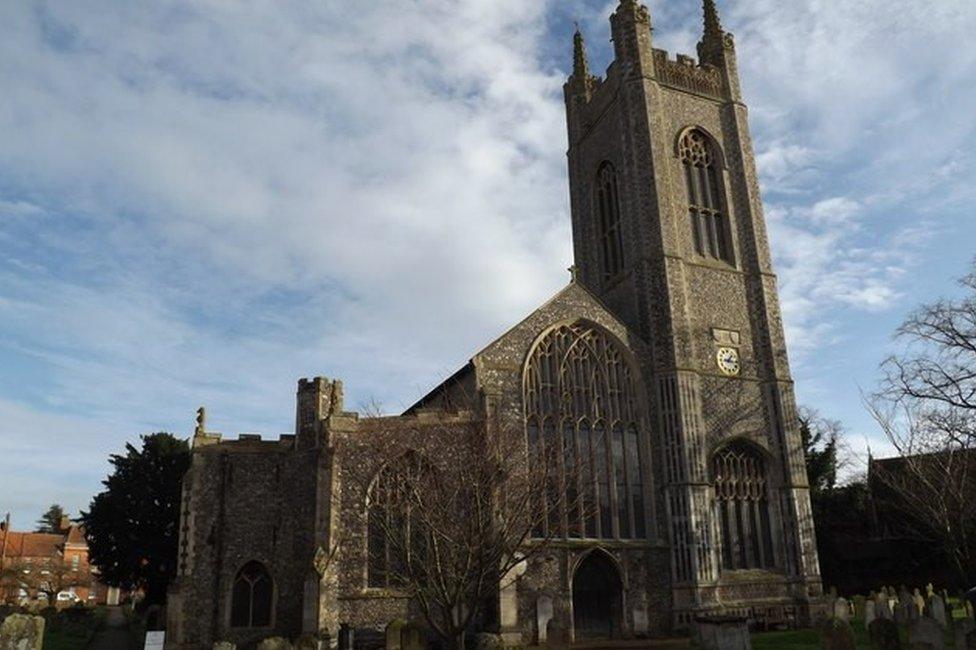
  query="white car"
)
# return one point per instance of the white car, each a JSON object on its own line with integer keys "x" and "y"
{"x": 67, "y": 597}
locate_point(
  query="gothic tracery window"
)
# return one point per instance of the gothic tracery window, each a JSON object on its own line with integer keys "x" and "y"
{"x": 251, "y": 598}
{"x": 582, "y": 412}
{"x": 390, "y": 538}
{"x": 608, "y": 213}
{"x": 739, "y": 474}
{"x": 709, "y": 224}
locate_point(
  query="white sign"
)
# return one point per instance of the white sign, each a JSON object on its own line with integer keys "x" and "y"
{"x": 155, "y": 640}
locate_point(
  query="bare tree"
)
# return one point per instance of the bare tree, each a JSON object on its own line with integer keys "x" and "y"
{"x": 456, "y": 510}
{"x": 48, "y": 576}
{"x": 927, "y": 409}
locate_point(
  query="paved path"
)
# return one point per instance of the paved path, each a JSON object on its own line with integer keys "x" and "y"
{"x": 115, "y": 634}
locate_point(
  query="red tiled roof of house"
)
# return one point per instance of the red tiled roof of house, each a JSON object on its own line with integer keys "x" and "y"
{"x": 20, "y": 545}
{"x": 76, "y": 535}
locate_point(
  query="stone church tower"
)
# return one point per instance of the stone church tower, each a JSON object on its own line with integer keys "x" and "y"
{"x": 668, "y": 232}
{"x": 657, "y": 380}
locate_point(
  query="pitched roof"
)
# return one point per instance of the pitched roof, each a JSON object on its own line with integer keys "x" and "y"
{"x": 21, "y": 545}
{"x": 76, "y": 535}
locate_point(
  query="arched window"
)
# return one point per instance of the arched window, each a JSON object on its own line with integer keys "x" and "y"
{"x": 390, "y": 538}
{"x": 705, "y": 206}
{"x": 582, "y": 413}
{"x": 608, "y": 213}
{"x": 251, "y": 600}
{"x": 739, "y": 473}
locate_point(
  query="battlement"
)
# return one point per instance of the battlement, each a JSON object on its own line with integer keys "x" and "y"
{"x": 685, "y": 73}
{"x": 243, "y": 441}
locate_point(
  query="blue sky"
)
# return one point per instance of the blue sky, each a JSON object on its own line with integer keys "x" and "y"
{"x": 201, "y": 203}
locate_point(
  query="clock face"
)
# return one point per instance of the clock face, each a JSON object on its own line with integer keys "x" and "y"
{"x": 728, "y": 361}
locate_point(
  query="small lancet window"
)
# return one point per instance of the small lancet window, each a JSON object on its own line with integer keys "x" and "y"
{"x": 739, "y": 475}
{"x": 608, "y": 213}
{"x": 709, "y": 224}
{"x": 251, "y": 599}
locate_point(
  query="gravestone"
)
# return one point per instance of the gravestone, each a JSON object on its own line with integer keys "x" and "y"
{"x": 543, "y": 614}
{"x": 308, "y": 642}
{"x": 883, "y": 607}
{"x": 640, "y": 621}
{"x": 969, "y": 610}
{"x": 925, "y": 634}
{"x": 965, "y": 633}
{"x": 722, "y": 633}
{"x": 837, "y": 634}
{"x": 842, "y": 610}
{"x": 223, "y": 645}
{"x": 937, "y": 610}
{"x": 884, "y": 635}
{"x": 22, "y": 632}
{"x": 393, "y": 630}
{"x": 487, "y": 641}
{"x": 913, "y": 611}
{"x": 412, "y": 637}
{"x": 870, "y": 612}
{"x": 275, "y": 643}
{"x": 919, "y": 601}
{"x": 557, "y": 635}
{"x": 347, "y": 637}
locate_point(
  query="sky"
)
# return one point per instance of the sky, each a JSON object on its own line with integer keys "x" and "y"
{"x": 202, "y": 202}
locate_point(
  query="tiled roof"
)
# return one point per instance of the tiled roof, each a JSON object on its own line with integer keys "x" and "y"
{"x": 76, "y": 535}
{"x": 21, "y": 545}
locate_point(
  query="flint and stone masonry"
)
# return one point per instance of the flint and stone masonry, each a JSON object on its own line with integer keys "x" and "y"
{"x": 673, "y": 289}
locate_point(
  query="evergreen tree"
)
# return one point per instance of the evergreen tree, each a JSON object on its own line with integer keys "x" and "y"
{"x": 133, "y": 525}
{"x": 50, "y": 521}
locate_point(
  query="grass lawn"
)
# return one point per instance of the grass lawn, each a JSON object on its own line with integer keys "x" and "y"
{"x": 59, "y": 640}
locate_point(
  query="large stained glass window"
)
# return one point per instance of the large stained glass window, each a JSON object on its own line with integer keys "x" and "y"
{"x": 583, "y": 414}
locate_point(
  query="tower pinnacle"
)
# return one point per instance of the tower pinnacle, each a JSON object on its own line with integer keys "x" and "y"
{"x": 712, "y": 47}
{"x": 581, "y": 67}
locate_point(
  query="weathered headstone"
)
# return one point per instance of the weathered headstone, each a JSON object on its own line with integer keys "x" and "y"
{"x": 925, "y": 634}
{"x": 412, "y": 637}
{"x": 842, "y": 610}
{"x": 929, "y": 590}
{"x": 937, "y": 610}
{"x": 640, "y": 620}
{"x": 722, "y": 633}
{"x": 870, "y": 612}
{"x": 837, "y": 634}
{"x": 275, "y": 643}
{"x": 347, "y": 637}
{"x": 22, "y": 632}
{"x": 557, "y": 635}
{"x": 309, "y": 642}
{"x": 223, "y": 645}
{"x": 965, "y": 633}
{"x": 543, "y": 614}
{"x": 919, "y": 601}
{"x": 913, "y": 611}
{"x": 883, "y": 609}
{"x": 393, "y": 630}
{"x": 969, "y": 610}
{"x": 884, "y": 635}
{"x": 487, "y": 641}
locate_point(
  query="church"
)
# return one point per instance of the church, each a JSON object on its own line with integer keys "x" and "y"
{"x": 670, "y": 340}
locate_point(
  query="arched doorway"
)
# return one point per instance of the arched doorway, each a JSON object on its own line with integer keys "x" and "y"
{"x": 597, "y": 594}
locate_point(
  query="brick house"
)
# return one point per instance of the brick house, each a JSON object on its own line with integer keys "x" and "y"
{"x": 61, "y": 556}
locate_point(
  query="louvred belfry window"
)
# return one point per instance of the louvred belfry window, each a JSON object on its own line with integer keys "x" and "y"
{"x": 739, "y": 475}
{"x": 583, "y": 415}
{"x": 608, "y": 215}
{"x": 709, "y": 223}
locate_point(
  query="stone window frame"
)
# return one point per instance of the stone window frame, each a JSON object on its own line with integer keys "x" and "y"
{"x": 719, "y": 208}
{"x": 754, "y": 505}
{"x": 608, "y": 217}
{"x": 273, "y": 609}
{"x": 389, "y": 470}
{"x": 540, "y": 424}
